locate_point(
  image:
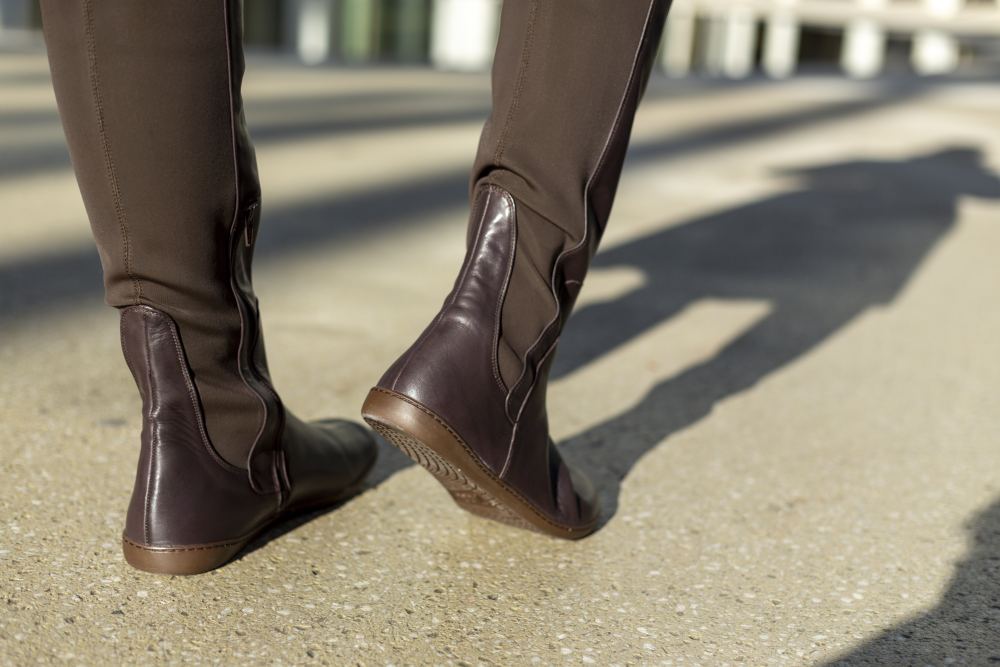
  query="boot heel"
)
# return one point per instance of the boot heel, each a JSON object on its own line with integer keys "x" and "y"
{"x": 429, "y": 441}
{"x": 195, "y": 559}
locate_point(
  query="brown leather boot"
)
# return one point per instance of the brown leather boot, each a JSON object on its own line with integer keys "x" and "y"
{"x": 191, "y": 510}
{"x": 467, "y": 400}
{"x": 445, "y": 404}
{"x": 149, "y": 95}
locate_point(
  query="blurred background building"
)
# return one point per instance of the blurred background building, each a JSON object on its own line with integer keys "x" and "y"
{"x": 724, "y": 38}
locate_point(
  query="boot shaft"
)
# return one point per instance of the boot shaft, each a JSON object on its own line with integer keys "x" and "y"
{"x": 192, "y": 511}
{"x": 567, "y": 80}
{"x": 184, "y": 493}
{"x": 149, "y": 96}
{"x": 449, "y": 387}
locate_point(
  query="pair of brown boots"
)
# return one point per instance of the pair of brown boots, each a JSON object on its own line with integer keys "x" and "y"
{"x": 150, "y": 97}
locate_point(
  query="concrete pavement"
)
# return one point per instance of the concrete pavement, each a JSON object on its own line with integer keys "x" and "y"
{"x": 782, "y": 372}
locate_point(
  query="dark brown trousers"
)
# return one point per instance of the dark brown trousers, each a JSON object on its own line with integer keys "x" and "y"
{"x": 149, "y": 94}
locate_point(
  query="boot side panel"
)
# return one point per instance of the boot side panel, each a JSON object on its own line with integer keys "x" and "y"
{"x": 185, "y": 494}
{"x": 452, "y": 369}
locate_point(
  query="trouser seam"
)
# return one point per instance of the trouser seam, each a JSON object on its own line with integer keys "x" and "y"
{"x": 582, "y": 245}
{"x": 239, "y": 214}
{"x": 109, "y": 163}
{"x": 522, "y": 77}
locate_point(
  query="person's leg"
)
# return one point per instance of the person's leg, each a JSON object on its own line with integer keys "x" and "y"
{"x": 149, "y": 95}
{"x": 467, "y": 400}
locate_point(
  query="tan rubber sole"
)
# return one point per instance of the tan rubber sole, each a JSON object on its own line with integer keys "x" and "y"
{"x": 182, "y": 560}
{"x": 429, "y": 441}
{"x": 202, "y": 558}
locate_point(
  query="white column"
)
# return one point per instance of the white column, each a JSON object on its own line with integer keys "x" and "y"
{"x": 781, "y": 41}
{"x": 730, "y": 42}
{"x": 310, "y": 29}
{"x": 863, "y": 53}
{"x": 678, "y": 40}
{"x": 739, "y": 43}
{"x": 935, "y": 51}
{"x": 713, "y": 51}
{"x": 464, "y": 33}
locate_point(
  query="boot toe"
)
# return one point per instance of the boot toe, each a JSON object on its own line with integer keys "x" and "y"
{"x": 356, "y": 444}
{"x": 327, "y": 460}
{"x": 577, "y": 497}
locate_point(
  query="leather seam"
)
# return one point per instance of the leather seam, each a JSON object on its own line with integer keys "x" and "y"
{"x": 111, "y": 171}
{"x": 192, "y": 392}
{"x": 479, "y": 230}
{"x": 416, "y": 346}
{"x": 451, "y": 300}
{"x": 193, "y": 396}
{"x": 497, "y": 316}
{"x": 517, "y": 419}
{"x": 154, "y": 433}
{"x": 534, "y": 384}
{"x": 241, "y": 349}
{"x": 482, "y": 466}
{"x": 245, "y": 347}
{"x": 274, "y": 478}
{"x": 510, "y": 451}
{"x": 283, "y": 464}
{"x": 131, "y": 368}
{"x": 232, "y": 230}
{"x": 121, "y": 336}
{"x": 560, "y": 260}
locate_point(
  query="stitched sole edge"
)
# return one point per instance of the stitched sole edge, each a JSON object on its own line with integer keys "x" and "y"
{"x": 429, "y": 441}
{"x": 185, "y": 560}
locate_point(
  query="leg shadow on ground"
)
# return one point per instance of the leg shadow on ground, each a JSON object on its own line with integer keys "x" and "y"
{"x": 848, "y": 239}
{"x": 962, "y": 628}
{"x": 38, "y": 284}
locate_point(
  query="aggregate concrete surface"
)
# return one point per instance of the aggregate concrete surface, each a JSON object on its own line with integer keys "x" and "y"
{"x": 782, "y": 373}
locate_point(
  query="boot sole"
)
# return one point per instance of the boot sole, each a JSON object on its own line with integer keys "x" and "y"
{"x": 200, "y": 558}
{"x": 427, "y": 439}
{"x": 182, "y": 560}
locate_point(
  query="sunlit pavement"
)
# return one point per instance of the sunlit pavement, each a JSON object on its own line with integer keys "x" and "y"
{"x": 782, "y": 372}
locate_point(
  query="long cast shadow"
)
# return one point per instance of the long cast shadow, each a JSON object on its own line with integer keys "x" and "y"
{"x": 849, "y": 239}
{"x": 40, "y": 283}
{"x": 962, "y": 628}
{"x": 276, "y": 120}
{"x": 279, "y": 121}
{"x": 820, "y": 255}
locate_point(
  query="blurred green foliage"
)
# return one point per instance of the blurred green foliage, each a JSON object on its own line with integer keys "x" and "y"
{"x": 363, "y": 30}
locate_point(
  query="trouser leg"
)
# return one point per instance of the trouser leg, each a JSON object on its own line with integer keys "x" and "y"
{"x": 149, "y": 95}
{"x": 467, "y": 399}
{"x": 567, "y": 79}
